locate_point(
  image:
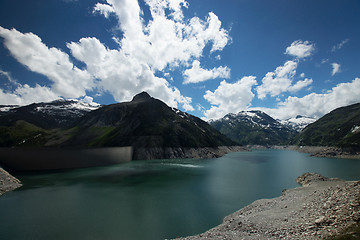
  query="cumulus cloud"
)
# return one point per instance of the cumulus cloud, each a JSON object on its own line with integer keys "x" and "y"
{"x": 316, "y": 105}
{"x": 281, "y": 80}
{"x": 300, "y": 85}
{"x": 197, "y": 74}
{"x": 167, "y": 40}
{"x": 300, "y": 49}
{"x": 335, "y": 68}
{"x": 122, "y": 75}
{"x": 25, "y": 94}
{"x": 66, "y": 79}
{"x": 230, "y": 97}
{"x": 340, "y": 45}
{"x": 104, "y": 9}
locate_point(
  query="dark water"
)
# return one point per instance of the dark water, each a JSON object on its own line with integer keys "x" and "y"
{"x": 153, "y": 199}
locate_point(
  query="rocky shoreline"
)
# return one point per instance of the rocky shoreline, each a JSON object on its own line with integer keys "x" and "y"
{"x": 8, "y": 182}
{"x": 321, "y": 208}
{"x": 320, "y": 151}
{"x": 317, "y": 151}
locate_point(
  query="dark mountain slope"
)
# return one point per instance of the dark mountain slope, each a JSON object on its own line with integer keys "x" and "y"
{"x": 149, "y": 126}
{"x": 340, "y": 127}
{"x": 145, "y": 122}
{"x": 56, "y": 114}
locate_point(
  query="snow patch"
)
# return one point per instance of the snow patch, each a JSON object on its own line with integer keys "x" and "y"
{"x": 355, "y": 129}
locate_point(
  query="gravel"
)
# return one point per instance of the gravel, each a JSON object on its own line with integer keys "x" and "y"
{"x": 7, "y": 182}
{"x": 321, "y": 208}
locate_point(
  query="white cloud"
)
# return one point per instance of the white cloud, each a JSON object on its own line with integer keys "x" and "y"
{"x": 300, "y": 85}
{"x": 8, "y": 76}
{"x": 25, "y": 94}
{"x": 300, "y": 49}
{"x": 279, "y": 81}
{"x": 325, "y": 60}
{"x": 340, "y": 45}
{"x": 167, "y": 40}
{"x": 104, "y": 9}
{"x": 28, "y": 49}
{"x": 122, "y": 75}
{"x": 197, "y": 74}
{"x": 335, "y": 68}
{"x": 230, "y": 97}
{"x": 316, "y": 105}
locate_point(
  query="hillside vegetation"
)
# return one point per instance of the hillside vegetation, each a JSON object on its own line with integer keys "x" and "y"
{"x": 340, "y": 127}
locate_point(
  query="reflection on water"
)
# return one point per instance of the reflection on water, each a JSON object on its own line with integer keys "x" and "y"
{"x": 153, "y": 199}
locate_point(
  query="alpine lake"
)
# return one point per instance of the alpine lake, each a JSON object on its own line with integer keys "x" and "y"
{"x": 156, "y": 199}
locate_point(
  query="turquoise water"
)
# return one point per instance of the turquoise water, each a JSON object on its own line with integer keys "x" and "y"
{"x": 156, "y": 199}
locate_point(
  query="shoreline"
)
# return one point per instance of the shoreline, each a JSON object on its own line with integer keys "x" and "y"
{"x": 8, "y": 182}
{"x": 184, "y": 152}
{"x": 320, "y": 208}
{"x": 317, "y": 151}
{"x": 333, "y": 152}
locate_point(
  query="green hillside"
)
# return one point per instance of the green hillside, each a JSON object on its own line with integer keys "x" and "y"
{"x": 341, "y": 127}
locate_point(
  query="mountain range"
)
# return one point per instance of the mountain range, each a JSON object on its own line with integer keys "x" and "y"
{"x": 156, "y": 130}
{"x": 256, "y": 128}
{"x": 152, "y": 128}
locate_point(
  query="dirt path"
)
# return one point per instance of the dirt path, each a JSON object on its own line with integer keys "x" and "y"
{"x": 322, "y": 207}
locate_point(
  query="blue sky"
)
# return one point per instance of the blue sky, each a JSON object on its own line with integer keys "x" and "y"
{"x": 205, "y": 57}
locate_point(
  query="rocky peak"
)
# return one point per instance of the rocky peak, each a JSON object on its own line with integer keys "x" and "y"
{"x": 143, "y": 96}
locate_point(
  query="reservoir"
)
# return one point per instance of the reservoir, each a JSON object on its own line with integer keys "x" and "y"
{"x": 157, "y": 199}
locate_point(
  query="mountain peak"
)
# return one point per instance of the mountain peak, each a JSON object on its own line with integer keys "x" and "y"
{"x": 143, "y": 96}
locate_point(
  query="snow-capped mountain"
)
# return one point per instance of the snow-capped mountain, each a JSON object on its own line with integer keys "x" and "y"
{"x": 57, "y": 114}
{"x": 6, "y": 108}
{"x": 298, "y": 123}
{"x": 255, "y": 128}
{"x": 151, "y": 127}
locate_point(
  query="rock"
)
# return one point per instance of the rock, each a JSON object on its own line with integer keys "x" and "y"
{"x": 308, "y": 178}
{"x": 8, "y": 182}
{"x": 320, "y": 220}
{"x": 304, "y": 216}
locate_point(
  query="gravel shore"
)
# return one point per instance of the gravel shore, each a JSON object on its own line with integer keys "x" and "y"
{"x": 320, "y": 151}
{"x": 7, "y": 182}
{"x": 322, "y": 207}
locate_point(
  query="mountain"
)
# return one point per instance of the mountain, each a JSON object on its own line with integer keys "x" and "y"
{"x": 145, "y": 123}
{"x": 298, "y": 123}
{"x": 34, "y": 124}
{"x": 57, "y": 114}
{"x": 152, "y": 128}
{"x": 340, "y": 127}
{"x": 254, "y": 128}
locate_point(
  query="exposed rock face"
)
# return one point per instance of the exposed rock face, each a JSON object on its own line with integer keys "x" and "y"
{"x": 323, "y": 207}
{"x": 8, "y": 182}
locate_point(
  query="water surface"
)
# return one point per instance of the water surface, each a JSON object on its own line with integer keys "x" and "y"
{"x": 156, "y": 199}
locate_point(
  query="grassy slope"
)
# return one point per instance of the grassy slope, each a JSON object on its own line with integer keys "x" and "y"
{"x": 334, "y": 129}
{"x": 22, "y": 133}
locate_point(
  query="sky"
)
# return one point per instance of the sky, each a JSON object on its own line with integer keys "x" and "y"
{"x": 205, "y": 57}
